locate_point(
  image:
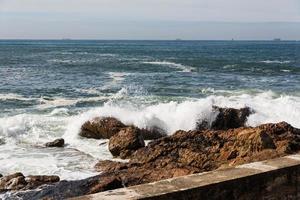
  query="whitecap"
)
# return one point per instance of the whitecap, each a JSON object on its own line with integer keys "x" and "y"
{"x": 118, "y": 76}
{"x": 13, "y": 96}
{"x": 179, "y": 66}
{"x": 285, "y": 70}
{"x": 275, "y": 61}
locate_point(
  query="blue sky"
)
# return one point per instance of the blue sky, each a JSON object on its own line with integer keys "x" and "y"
{"x": 150, "y": 19}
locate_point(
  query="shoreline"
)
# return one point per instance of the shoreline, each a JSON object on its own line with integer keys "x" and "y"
{"x": 224, "y": 142}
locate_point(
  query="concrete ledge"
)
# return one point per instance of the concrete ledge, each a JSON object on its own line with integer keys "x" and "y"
{"x": 271, "y": 179}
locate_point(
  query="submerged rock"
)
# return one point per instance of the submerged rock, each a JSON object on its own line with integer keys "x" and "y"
{"x": 226, "y": 118}
{"x": 125, "y": 142}
{"x": 56, "y": 143}
{"x": 185, "y": 152}
{"x": 101, "y": 128}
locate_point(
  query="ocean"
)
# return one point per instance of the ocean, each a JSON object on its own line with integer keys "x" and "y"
{"x": 48, "y": 89}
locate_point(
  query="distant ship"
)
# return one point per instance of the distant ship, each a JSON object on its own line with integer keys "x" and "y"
{"x": 277, "y": 39}
{"x": 66, "y": 39}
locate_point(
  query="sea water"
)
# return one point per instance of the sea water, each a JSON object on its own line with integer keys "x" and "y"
{"x": 48, "y": 89}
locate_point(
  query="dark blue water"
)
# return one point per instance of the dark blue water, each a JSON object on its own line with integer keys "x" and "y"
{"x": 163, "y": 68}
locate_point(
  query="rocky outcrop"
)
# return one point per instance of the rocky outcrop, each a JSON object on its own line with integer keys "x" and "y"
{"x": 226, "y": 118}
{"x": 18, "y": 181}
{"x": 125, "y": 142}
{"x": 56, "y": 143}
{"x": 101, "y": 128}
{"x": 188, "y": 152}
{"x": 183, "y": 153}
{"x": 152, "y": 133}
{"x": 105, "y": 128}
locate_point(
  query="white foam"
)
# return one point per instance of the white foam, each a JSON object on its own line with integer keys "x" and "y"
{"x": 276, "y": 61}
{"x": 118, "y": 76}
{"x": 33, "y": 129}
{"x": 59, "y": 101}
{"x": 179, "y": 66}
{"x": 13, "y": 96}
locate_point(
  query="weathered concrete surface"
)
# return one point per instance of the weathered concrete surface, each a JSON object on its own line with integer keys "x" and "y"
{"x": 271, "y": 179}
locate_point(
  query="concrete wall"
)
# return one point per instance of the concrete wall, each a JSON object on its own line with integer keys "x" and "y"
{"x": 272, "y": 179}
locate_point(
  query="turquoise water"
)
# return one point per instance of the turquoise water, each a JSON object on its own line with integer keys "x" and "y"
{"x": 49, "y": 88}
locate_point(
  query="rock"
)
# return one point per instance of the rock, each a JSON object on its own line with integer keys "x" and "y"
{"x": 14, "y": 181}
{"x": 183, "y": 153}
{"x": 35, "y": 181}
{"x": 56, "y": 143}
{"x": 226, "y": 118}
{"x": 18, "y": 181}
{"x": 125, "y": 142}
{"x": 153, "y": 133}
{"x": 1, "y": 175}
{"x": 101, "y": 128}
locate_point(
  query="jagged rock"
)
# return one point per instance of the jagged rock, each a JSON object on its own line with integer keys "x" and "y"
{"x": 105, "y": 128}
{"x": 183, "y": 153}
{"x": 56, "y": 143}
{"x": 226, "y": 118}
{"x": 101, "y": 128}
{"x": 153, "y": 133}
{"x": 14, "y": 181}
{"x": 35, "y": 181}
{"x": 125, "y": 142}
{"x": 18, "y": 181}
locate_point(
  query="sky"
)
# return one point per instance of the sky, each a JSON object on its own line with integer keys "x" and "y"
{"x": 150, "y": 19}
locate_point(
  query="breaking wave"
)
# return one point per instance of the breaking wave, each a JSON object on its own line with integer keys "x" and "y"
{"x": 179, "y": 66}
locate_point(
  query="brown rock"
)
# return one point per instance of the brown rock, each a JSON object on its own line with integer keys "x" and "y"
{"x": 106, "y": 183}
{"x": 183, "y": 153}
{"x": 14, "y": 181}
{"x": 227, "y": 118}
{"x": 56, "y": 143}
{"x": 125, "y": 142}
{"x": 198, "y": 151}
{"x": 230, "y": 118}
{"x": 153, "y": 133}
{"x": 18, "y": 181}
{"x": 101, "y": 128}
{"x": 35, "y": 181}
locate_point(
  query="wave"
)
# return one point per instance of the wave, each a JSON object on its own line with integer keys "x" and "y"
{"x": 35, "y": 129}
{"x": 275, "y": 61}
{"x": 182, "y": 67}
{"x": 13, "y": 96}
{"x": 174, "y": 116}
{"x": 118, "y": 76}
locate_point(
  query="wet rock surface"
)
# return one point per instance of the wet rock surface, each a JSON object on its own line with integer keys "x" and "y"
{"x": 56, "y": 143}
{"x": 125, "y": 142}
{"x": 18, "y": 181}
{"x": 107, "y": 127}
{"x": 101, "y": 128}
{"x": 183, "y": 153}
{"x": 226, "y": 118}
